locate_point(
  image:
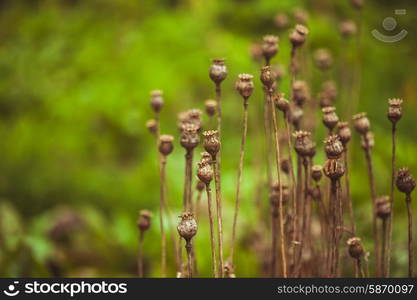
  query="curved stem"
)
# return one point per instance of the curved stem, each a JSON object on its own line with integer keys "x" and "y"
{"x": 212, "y": 239}
{"x": 239, "y": 176}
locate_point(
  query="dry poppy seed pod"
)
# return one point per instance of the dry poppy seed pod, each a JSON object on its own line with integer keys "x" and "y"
{"x": 323, "y": 59}
{"x": 334, "y": 169}
{"x": 152, "y": 126}
{"x": 316, "y": 172}
{"x": 281, "y": 103}
{"x": 301, "y": 92}
{"x": 355, "y": 247}
{"x": 368, "y": 141}
{"x": 211, "y": 106}
{"x": 343, "y": 131}
{"x": 255, "y": 51}
{"x": 274, "y": 194}
{"x": 279, "y": 71}
{"x": 218, "y": 71}
{"x": 315, "y": 193}
{"x": 205, "y": 172}
{"x": 268, "y": 77}
{"x": 194, "y": 117}
{"x": 333, "y": 146}
{"x": 383, "y": 207}
{"x": 281, "y": 20}
{"x": 328, "y": 93}
{"x": 303, "y": 144}
{"x": 165, "y": 144}
{"x": 330, "y": 117}
{"x": 347, "y": 28}
{"x": 298, "y": 35}
{"x": 358, "y": 4}
{"x": 394, "y": 110}
{"x": 144, "y": 220}
{"x": 156, "y": 100}
{"x": 205, "y": 157}
{"x": 269, "y": 46}
{"x": 285, "y": 165}
{"x": 361, "y": 123}
{"x": 405, "y": 181}
{"x": 229, "y": 270}
{"x": 300, "y": 16}
{"x": 187, "y": 228}
{"x": 200, "y": 185}
{"x": 189, "y": 138}
{"x": 244, "y": 85}
{"x": 296, "y": 115}
{"x": 211, "y": 143}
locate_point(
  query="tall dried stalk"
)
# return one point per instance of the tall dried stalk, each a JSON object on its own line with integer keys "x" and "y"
{"x": 347, "y": 190}
{"x": 140, "y": 254}
{"x": 219, "y": 215}
{"x": 410, "y": 236}
{"x": 239, "y": 175}
{"x": 391, "y": 217}
{"x": 212, "y": 238}
{"x": 163, "y": 162}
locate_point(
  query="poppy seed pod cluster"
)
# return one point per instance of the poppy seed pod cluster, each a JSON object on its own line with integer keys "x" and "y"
{"x": 218, "y": 71}
{"x": 303, "y": 144}
{"x": 211, "y": 143}
{"x": 368, "y": 141}
{"x": 405, "y": 181}
{"x": 281, "y": 103}
{"x": 334, "y": 169}
{"x": 166, "y": 144}
{"x": 298, "y": 36}
{"x": 156, "y": 100}
{"x": 394, "y": 110}
{"x": 269, "y": 46}
{"x": 383, "y": 207}
{"x": 361, "y": 123}
{"x": 268, "y": 77}
{"x": 211, "y": 107}
{"x": 144, "y": 220}
{"x": 316, "y": 172}
{"x": 333, "y": 147}
{"x": 330, "y": 117}
{"x": 187, "y": 228}
{"x": 343, "y": 131}
{"x": 205, "y": 172}
{"x": 244, "y": 85}
{"x": 152, "y": 126}
{"x": 189, "y": 138}
{"x": 355, "y": 247}
{"x": 300, "y": 92}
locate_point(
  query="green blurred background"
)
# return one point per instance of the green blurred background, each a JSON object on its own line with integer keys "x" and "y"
{"x": 77, "y": 162}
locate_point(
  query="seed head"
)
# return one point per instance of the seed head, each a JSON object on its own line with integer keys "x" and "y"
{"x": 296, "y": 115}
{"x": 279, "y": 71}
{"x": 244, "y": 85}
{"x": 303, "y": 144}
{"x": 156, "y": 100}
{"x": 300, "y": 16}
{"x": 152, "y": 126}
{"x": 285, "y": 165}
{"x": 316, "y": 172}
{"x": 368, "y": 141}
{"x": 229, "y": 270}
{"x": 187, "y": 228}
{"x": 205, "y": 172}
{"x": 333, "y": 147}
{"x": 211, "y": 142}
{"x": 281, "y": 21}
{"x": 334, "y": 169}
{"x": 358, "y": 4}
{"x": 298, "y": 35}
{"x": 211, "y": 107}
{"x": 394, "y": 110}
{"x": 218, "y": 71}
{"x": 281, "y": 103}
{"x": 269, "y": 46}
{"x": 347, "y": 28}
{"x": 274, "y": 194}
{"x": 255, "y": 51}
{"x": 189, "y": 138}
{"x": 144, "y": 220}
{"x": 383, "y": 207}
{"x": 328, "y": 93}
{"x": 301, "y": 92}
{"x": 200, "y": 185}
{"x": 355, "y": 247}
{"x": 330, "y": 117}
{"x": 166, "y": 144}
{"x": 191, "y": 116}
{"x": 205, "y": 157}
{"x": 361, "y": 123}
{"x": 343, "y": 131}
{"x": 405, "y": 181}
{"x": 323, "y": 59}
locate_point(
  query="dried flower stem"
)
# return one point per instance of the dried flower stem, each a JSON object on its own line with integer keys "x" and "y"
{"x": 187, "y": 202}
{"x": 374, "y": 217}
{"x": 410, "y": 236}
{"x": 347, "y": 190}
{"x": 219, "y": 214}
{"x": 163, "y": 162}
{"x": 212, "y": 239}
{"x": 281, "y": 206}
{"x": 140, "y": 254}
{"x": 391, "y": 217}
{"x": 189, "y": 248}
{"x": 239, "y": 175}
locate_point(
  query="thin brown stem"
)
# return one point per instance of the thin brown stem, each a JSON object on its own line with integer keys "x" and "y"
{"x": 274, "y": 232}
{"x": 239, "y": 176}
{"x": 348, "y": 198}
{"x": 187, "y": 202}
{"x": 140, "y": 254}
{"x": 212, "y": 238}
{"x": 219, "y": 215}
{"x": 410, "y": 236}
{"x": 384, "y": 245}
{"x": 189, "y": 248}
{"x": 391, "y": 217}
{"x": 278, "y": 165}
{"x": 161, "y": 218}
